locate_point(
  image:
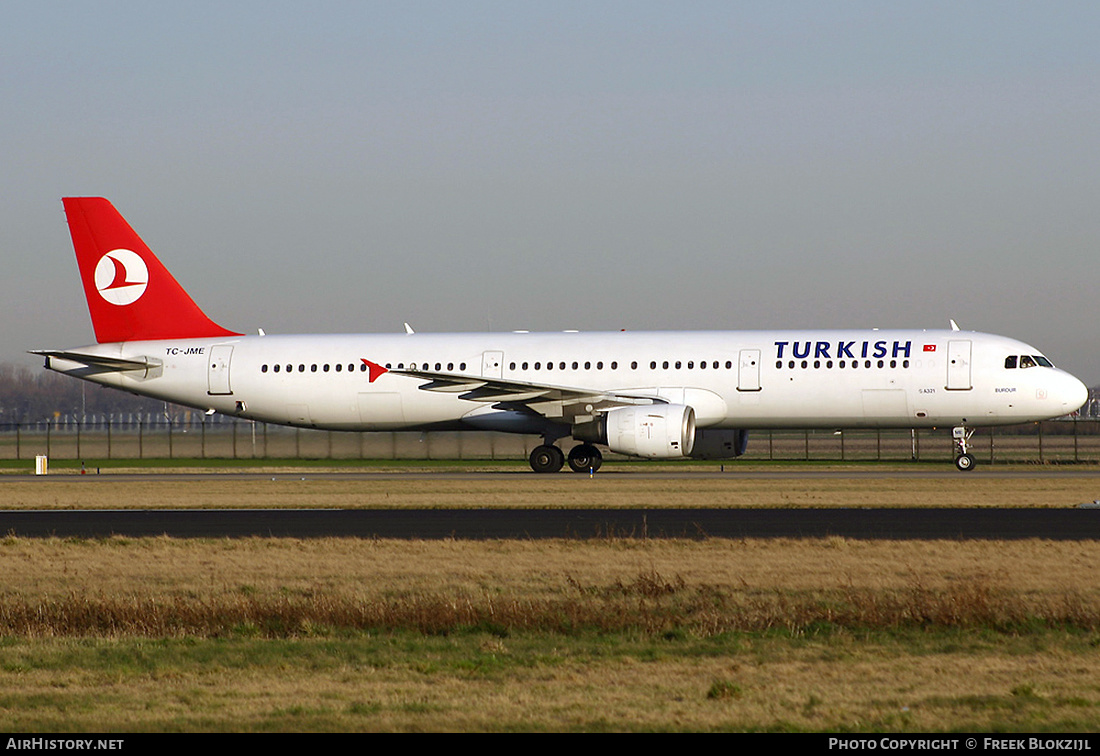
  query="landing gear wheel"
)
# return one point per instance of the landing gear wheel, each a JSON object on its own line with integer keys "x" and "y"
{"x": 547, "y": 459}
{"x": 964, "y": 462}
{"x": 961, "y": 434}
{"x": 585, "y": 457}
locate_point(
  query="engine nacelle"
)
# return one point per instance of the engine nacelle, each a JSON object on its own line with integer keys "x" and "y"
{"x": 657, "y": 431}
{"x": 712, "y": 443}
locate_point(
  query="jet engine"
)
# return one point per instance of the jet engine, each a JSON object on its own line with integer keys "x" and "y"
{"x": 657, "y": 431}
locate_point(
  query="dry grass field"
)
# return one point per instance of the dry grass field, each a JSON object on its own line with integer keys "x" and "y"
{"x": 742, "y": 486}
{"x": 347, "y": 634}
{"x": 127, "y": 635}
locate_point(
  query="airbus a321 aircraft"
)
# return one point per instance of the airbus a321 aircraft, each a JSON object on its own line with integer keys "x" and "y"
{"x": 661, "y": 395}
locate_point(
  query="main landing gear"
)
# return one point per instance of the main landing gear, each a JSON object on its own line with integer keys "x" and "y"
{"x": 585, "y": 458}
{"x": 547, "y": 458}
{"x": 963, "y": 460}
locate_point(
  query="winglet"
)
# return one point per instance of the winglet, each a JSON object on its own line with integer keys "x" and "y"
{"x": 131, "y": 295}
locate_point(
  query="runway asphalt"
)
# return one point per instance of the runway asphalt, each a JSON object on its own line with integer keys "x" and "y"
{"x": 899, "y": 524}
{"x": 582, "y": 523}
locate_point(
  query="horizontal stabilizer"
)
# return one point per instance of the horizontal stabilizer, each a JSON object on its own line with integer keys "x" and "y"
{"x": 100, "y": 361}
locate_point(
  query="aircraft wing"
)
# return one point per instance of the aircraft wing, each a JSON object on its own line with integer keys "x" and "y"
{"x": 564, "y": 403}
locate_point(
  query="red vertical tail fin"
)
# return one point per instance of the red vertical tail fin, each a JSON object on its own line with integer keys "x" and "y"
{"x": 131, "y": 295}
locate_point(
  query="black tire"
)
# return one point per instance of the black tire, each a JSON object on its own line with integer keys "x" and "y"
{"x": 547, "y": 459}
{"x": 585, "y": 457}
{"x": 964, "y": 462}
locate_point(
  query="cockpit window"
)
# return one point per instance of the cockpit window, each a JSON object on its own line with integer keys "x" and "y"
{"x": 1027, "y": 361}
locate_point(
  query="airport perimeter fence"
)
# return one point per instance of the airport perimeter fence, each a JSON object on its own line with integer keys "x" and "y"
{"x": 197, "y": 436}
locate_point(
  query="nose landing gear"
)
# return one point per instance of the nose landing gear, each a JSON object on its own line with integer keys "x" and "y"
{"x": 963, "y": 460}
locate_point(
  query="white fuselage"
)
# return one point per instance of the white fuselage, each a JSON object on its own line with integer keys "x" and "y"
{"x": 732, "y": 379}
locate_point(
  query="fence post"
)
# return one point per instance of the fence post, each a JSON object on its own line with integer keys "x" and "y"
{"x": 18, "y": 440}
{"x": 771, "y": 450}
{"x": 807, "y": 435}
{"x": 81, "y": 422}
{"x": 1041, "y": 460}
{"x": 110, "y": 422}
{"x": 991, "y": 433}
{"x": 1075, "y": 459}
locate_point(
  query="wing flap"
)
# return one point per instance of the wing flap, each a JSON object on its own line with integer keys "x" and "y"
{"x": 538, "y": 398}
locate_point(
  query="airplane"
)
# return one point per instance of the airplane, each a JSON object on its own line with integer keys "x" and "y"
{"x": 654, "y": 395}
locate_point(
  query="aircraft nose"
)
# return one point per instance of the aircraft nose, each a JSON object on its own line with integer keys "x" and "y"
{"x": 1074, "y": 394}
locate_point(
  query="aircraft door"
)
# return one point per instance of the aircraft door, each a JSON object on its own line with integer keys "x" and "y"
{"x": 748, "y": 371}
{"x": 217, "y": 372}
{"x": 958, "y": 366}
{"x": 492, "y": 364}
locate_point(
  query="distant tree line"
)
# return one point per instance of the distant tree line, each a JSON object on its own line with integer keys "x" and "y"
{"x": 32, "y": 395}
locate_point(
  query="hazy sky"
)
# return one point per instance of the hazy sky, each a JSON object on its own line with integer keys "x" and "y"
{"x": 347, "y": 166}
